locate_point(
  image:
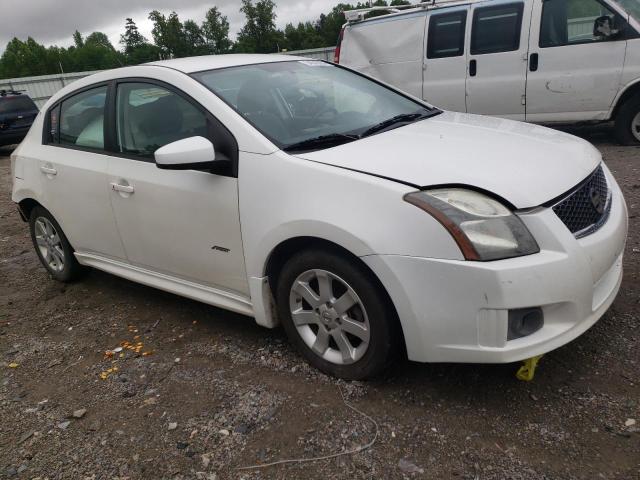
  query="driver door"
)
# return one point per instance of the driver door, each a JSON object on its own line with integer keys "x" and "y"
{"x": 573, "y": 74}
{"x": 180, "y": 223}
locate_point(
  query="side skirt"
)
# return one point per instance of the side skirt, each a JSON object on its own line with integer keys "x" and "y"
{"x": 195, "y": 291}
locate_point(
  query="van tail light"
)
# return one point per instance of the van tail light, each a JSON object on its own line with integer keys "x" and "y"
{"x": 336, "y": 54}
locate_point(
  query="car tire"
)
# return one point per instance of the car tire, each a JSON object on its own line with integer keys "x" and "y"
{"x": 627, "y": 124}
{"x": 52, "y": 247}
{"x": 347, "y": 327}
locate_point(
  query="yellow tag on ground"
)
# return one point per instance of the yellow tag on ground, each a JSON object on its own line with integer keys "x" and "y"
{"x": 528, "y": 369}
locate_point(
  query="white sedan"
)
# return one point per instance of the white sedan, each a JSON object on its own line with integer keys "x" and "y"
{"x": 369, "y": 223}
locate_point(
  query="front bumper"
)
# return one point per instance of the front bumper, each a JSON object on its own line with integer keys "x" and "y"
{"x": 457, "y": 311}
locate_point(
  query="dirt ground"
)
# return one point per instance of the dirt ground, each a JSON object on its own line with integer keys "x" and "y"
{"x": 207, "y": 391}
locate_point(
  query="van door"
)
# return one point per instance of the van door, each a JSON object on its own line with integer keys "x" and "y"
{"x": 497, "y": 67}
{"x": 445, "y": 64}
{"x": 574, "y": 74}
{"x": 389, "y": 48}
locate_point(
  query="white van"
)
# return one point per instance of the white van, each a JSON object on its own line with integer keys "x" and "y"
{"x": 542, "y": 61}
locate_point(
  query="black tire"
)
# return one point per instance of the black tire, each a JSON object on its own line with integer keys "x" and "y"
{"x": 71, "y": 270}
{"x": 624, "y": 122}
{"x": 384, "y": 335}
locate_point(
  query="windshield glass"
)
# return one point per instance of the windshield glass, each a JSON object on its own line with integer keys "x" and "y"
{"x": 17, "y": 104}
{"x": 299, "y": 101}
{"x": 632, "y": 7}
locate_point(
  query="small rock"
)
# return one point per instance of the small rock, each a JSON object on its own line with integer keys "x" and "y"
{"x": 172, "y": 425}
{"x": 64, "y": 425}
{"x": 408, "y": 467}
{"x": 630, "y": 422}
{"x": 79, "y": 413}
{"x": 533, "y": 397}
{"x": 181, "y": 445}
{"x": 25, "y": 437}
{"x": 21, "y": 468}
{"x": 11, "y": 471}
{"x": 241, "y": 429}
{"x": 206, "y": 459}
{"x": 224, "y": 432}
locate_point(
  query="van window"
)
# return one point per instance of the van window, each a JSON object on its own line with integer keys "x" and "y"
{"x": 496, "y": 29}
{"x": 446, "y": 35}
{"x": 567, "y": 22}
{"x": 82, "y": 119}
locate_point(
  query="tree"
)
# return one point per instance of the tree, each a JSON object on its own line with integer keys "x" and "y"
{"x": 259, "y": 33}
{"x": 194, "y": 38}
{"x": 169, "y": 35}
{"x": 131, "y": 38}
{"x": 215, "y": 29}
{"x": 304, "y": 36}
{"x": 78, "y": 41}
{"x": 329, "y": 25}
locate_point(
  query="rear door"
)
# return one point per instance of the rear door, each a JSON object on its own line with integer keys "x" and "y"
{"x": 445, "y": 63}
{"x": 73, "y": 165}
{"x": 497, "y": 59}
{"x": 573, "y": 74}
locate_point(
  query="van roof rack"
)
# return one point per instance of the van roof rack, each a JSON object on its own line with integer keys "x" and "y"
{"x": 4, "y": 93}
{"x": 359, "y": 14}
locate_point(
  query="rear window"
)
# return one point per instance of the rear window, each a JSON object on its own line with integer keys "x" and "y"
{"x": 496, "y": 29}
{"x": 16, "y": 104}
{"x": 446, "y": 35}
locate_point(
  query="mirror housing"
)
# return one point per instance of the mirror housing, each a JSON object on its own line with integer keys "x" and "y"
{"x": 193, "y": 153}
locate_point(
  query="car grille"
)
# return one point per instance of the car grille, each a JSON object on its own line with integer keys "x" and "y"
{"x": 587, "y": 207}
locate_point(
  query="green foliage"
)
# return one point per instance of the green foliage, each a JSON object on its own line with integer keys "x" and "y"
{"x": 173, "y": 38}
{"x": 259, "y": 33}
{"x": 215, "y": 30}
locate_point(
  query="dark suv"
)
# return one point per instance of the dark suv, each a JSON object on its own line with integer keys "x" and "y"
{"x": 17, "y": 112}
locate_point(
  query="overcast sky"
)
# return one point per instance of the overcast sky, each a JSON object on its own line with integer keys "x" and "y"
{"x": 52, "y": 22}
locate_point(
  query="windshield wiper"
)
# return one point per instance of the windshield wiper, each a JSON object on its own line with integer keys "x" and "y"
{"x": 323, "y": 141}
{"x": 396, "y": 121}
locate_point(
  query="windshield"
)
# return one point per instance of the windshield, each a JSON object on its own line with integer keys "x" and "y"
{"x": 296, "y": 102}
{"x": 632, "y": 7}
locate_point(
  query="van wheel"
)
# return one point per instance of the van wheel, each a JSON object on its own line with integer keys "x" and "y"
{"x": 627, "y": 126}
{"x": 336, "y": 315}
{"x": 52, "y": 246}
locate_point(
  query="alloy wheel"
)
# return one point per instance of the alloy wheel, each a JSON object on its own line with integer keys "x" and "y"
{"x": 329, "y": 317}
{"x": 49, "y": 244}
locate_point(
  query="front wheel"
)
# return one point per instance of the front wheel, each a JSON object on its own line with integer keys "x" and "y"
{"x": 53, "y": 248}
{"x": 627, "y": 126}
{"x": 337, "y": 315}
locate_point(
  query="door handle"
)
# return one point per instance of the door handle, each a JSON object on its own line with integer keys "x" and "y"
{"x": 533, "y": 62}
{"x": 122, "y": 188}
{"x": 473, "y": 68}
{"x": 48, "y": 170}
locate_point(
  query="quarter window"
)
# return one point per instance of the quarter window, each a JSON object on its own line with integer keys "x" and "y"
{"x": 446, "y": 35}
{"x": 81, "y": 120}
{"x": 567, "y": 22}
{"x": 496, "y": 29}
{"x": 150, "y": 116}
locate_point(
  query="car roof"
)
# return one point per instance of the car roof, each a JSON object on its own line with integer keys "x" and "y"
{"x": 211, "y": 62}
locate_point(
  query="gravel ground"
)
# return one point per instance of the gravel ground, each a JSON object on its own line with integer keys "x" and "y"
{"x": 199, "y": 392}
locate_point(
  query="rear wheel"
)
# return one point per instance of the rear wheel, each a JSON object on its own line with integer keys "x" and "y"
{"x": 627, "y": 126}
{"x": 53, "y": 248}
{"x": 336, "y": 315}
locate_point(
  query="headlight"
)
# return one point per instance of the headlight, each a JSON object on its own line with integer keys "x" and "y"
{"x": 483, "y": 228}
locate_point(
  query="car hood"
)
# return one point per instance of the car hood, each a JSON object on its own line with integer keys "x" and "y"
{"x": 525, "y": 164}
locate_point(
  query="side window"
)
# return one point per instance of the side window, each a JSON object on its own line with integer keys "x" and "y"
{"x": 567, "y": 22}
{"x": 80, "y": 120}
{"x": 150, "y": 116}
{"x": 446, "y": 35}
{"x": 496, "y": 29}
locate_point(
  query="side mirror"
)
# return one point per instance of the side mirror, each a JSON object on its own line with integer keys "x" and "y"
{"x": 193, "y": 153}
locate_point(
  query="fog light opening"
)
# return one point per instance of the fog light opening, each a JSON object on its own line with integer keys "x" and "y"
{"x": 524, "y": 322}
